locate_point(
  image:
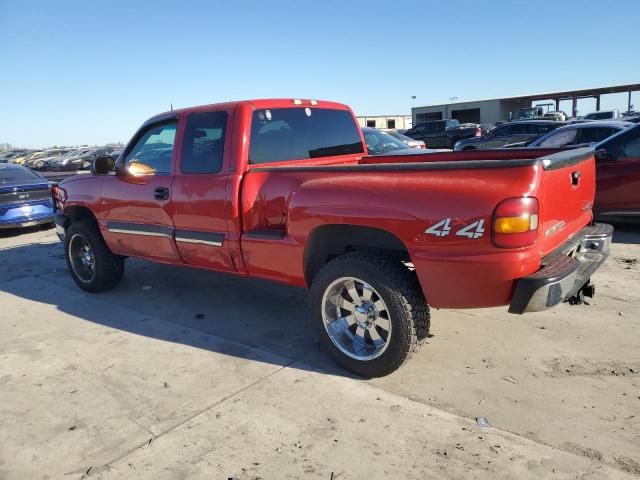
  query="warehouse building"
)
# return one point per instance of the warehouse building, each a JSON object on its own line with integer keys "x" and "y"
{"x": 398, "y": 122}
{"x": 500, "y": 109}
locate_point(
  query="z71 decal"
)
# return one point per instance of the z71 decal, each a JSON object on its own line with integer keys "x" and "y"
{"x": 443, "y": 229}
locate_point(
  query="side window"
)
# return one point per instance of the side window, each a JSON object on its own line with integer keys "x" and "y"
{"x": 558, "y": 139}
{"x": 203, "y": 144}
{"x": 542, "y": 129}
{"x": 521, "y": 129}
{"x": 626, "y": 145}
{"x": 152, "y": 153}
{"x": 502, "y": 132}
{"x": 595, "y": 134}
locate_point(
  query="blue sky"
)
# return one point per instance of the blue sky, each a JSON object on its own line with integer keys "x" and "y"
{"x": 74, "y": 72}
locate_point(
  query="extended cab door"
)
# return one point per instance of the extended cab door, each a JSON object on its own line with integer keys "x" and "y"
{"x": 199, "y": 191}
{"x": 138, "y": 199}
{"x": 618, "y": 175}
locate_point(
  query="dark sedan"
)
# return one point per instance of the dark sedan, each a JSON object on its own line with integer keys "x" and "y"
{"x": 580, "y": 133}
{"x": 25, "y": 197}
{"x": 509, "y": 133}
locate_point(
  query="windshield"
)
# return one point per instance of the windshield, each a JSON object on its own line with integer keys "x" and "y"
{"x": 15, "y": 175}
{"x": 380, "y": 142}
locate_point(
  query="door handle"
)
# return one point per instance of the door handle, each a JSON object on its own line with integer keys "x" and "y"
{"x": 161, "y": 193}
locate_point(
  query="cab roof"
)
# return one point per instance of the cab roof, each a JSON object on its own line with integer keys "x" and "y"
{"x": 260, "y": 103}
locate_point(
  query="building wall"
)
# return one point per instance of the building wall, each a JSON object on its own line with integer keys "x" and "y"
{"x": 489, "y": 110}
{"x": 402, "y": 122}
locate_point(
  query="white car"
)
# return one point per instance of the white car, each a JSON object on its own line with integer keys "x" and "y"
{"x": 403, "y": 138}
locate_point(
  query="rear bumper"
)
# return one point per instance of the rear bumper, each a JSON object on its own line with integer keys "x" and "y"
{"x": 565, "y": 271}
{"x": 22, "y": 222}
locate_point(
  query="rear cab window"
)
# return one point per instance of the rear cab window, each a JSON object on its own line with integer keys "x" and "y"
{"x": 286, "y": 134}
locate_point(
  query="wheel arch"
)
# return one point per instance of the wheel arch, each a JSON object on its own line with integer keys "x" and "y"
{"x": 76, "y": 213}
{"x": 329, "y": 241}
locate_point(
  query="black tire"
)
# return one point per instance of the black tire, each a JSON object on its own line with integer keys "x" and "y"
{"x": 400, "y": 290}
{"x": 466, "y": 149}
{"x": 108, "y": 267}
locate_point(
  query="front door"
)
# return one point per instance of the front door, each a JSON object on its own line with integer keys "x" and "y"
{"x": 199, "y": 192}
{"x": 138, "y": 222}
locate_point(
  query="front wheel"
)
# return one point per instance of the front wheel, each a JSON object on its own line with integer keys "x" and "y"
{"x": 92, "y": 265}
{"x": 369, "y": 312}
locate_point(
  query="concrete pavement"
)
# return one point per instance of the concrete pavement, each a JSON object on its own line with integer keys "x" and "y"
{"x": 187, "y": 374}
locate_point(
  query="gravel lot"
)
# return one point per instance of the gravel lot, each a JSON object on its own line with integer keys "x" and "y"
{"x": 182, "y": 373}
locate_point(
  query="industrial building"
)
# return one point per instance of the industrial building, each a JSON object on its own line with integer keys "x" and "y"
{"x": 500, "y": 109}
{"x": 399, "y": 122}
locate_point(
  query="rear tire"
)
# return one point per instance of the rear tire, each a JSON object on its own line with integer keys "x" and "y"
{"x": 376, "y": 332}
{"x": 92, "y": 265}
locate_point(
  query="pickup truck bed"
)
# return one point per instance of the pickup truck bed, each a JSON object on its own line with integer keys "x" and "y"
{"x": 377, "y": 240}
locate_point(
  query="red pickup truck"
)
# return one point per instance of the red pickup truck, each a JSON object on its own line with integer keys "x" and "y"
{"x": 285, "y": 190}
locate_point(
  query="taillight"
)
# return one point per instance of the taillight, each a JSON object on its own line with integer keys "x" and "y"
{"x": 515, "y": 222}
{"x": 478, "y": 132}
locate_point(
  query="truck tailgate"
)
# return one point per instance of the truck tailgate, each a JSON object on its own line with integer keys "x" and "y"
{"x": 565, "y": 195}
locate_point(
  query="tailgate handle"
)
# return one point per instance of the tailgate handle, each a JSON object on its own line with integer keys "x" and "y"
{"x": 575, "y": 177}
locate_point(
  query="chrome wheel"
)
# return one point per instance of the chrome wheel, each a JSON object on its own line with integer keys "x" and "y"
{"x": 356, "y": 318}
{"x": 82, "y": 259}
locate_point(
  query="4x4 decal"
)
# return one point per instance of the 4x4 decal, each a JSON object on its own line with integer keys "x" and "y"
{"x": 443, "y": 229}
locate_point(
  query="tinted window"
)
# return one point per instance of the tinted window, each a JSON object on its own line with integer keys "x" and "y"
{"x": 502, "y": 131}
{"x": 558, "y": 139}
{"x": 523, "y": 129}
{"x": 283, "y": 134}
{"x": 153, "y": 151}
{"x": 599, "y": 116}
{"x": 626, "y": 145}
{"x": 542, "y": 129}
{"x": 15, "y": 175}
{"x": 203, "y": 143}
{"x": 595, "y": 134}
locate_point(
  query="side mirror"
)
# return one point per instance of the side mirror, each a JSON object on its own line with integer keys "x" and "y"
{"x": 103, "y": 165}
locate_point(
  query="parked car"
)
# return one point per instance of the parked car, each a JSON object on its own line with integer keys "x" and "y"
{"x": 579, "y": 134}
{"x": 559, "y": 116}
{"x": 38, "y": 162}
{"x": 7, "y": 156}
{"x": 383, "y": 143}
{"x": 509, "y": 133}
{"x": 115, "y": 154}
{"x": 442, "y": 133}
{"x": 618, "y": 175}
{"x": 61, "y": 162}
{"x": 403, "y": 138}
{"x": 25, "y": 197}
{"x": 79, "y": 162}
{"x": 603, "y": 115}
{"x": 284, "y": 190}
{"x": 633, "y": 117}
{"x": 20, "y": 159}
